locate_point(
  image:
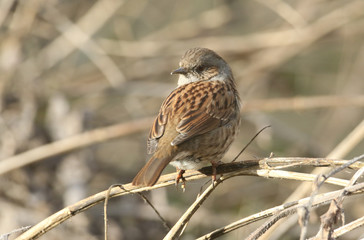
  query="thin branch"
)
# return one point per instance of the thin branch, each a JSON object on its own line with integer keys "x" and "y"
{"x": 177, "y": 229}
{"x": 279, "y": 174}
{"x": 248, "y": 167}
{"x": 6, "y": 236}
{"x": 348, "y": 227}
{"x": 335, "y": 211}
{"x": 165, "y": 223}
{"x": 317, "y": 186}
{"x": 251, "y": 140}
{"x": 284, "y": 209}
{"x": 106, "y": 202}
{"x": 180, "y": 225}
{"x": 343, "y": 148}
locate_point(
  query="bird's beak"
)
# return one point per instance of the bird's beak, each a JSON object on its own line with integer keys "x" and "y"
{"x": 180, "y": 70}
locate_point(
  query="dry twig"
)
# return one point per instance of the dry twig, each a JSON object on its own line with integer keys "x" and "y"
{"x": 278, "y": 212}
{"x": 335, "y": 211}
{"x": 318, "y": 183}
{"x": 165, "y": 223}
{"x": 16, "y": 231}
{"x": 343, "y": 148}
{"x": 348, "y": 227}
{"x": 234, "y": 169}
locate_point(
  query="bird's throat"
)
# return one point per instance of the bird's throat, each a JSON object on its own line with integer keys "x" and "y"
{"x": 182, "y": 80}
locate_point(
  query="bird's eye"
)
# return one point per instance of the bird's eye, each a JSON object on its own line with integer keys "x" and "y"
{"x": 199, "y": 68}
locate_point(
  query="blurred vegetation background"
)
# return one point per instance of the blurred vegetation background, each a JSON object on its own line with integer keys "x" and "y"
{"x": 68, "y": 67}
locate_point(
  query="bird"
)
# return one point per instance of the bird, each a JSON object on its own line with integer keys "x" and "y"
{"x": 197, "y": 122}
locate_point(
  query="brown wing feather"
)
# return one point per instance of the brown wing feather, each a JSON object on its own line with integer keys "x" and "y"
{"x": 195, "y": 124}
{"x": 214, "y": 110}
{"x": 157, "y": 130}
{"x": 195, "y": 114}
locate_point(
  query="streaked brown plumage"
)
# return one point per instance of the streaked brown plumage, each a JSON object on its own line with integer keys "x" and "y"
{"x": 198, "y": 121}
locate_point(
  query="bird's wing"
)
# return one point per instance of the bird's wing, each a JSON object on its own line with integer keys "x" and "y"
{"x": 195, "y": 109}
{"x": 156, "y": 132}
{"x": 208, "y": 105}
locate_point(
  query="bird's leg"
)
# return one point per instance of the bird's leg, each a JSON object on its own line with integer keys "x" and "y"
{"x": 213, "y": 177}
{"x": 180, "y": 177}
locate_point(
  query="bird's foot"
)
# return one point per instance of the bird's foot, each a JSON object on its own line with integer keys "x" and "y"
{"x": 180, "y": 177}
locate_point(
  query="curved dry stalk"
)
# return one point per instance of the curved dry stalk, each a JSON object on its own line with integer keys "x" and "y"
{"x": 335, "y": 211}
{"x": 342, "y": 149}
{"x": 318, "y": 183}
{"x": 249, "y": 167}
{"x": 6, "y": 236}
{"x": 165, "y": 180}
{"x": 279, "y": 174}
{"x": 348, "y": 227}
{"x": 279, "y": 212}
{"x": 181, "y": 224}
{"x": 178, "y": 228}
{"x": 165, "y": 223}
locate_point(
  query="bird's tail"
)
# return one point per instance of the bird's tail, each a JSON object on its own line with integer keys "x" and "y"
{"x": 151, "y": 172}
